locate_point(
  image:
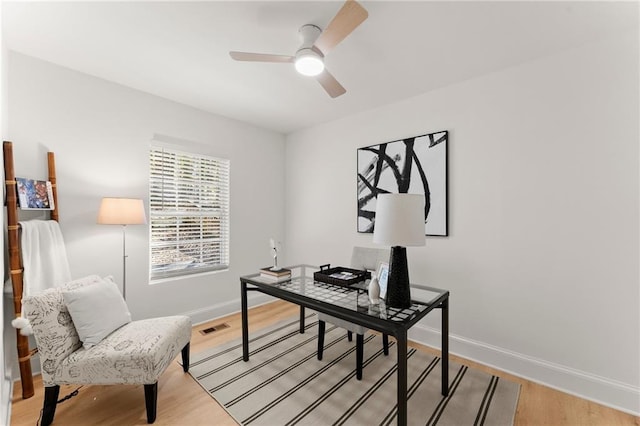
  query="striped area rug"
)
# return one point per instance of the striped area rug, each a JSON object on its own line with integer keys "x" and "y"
{"x": 283, "y": 383}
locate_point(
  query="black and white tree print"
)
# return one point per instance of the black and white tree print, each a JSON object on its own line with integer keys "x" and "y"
{"x": 416, "y": 165}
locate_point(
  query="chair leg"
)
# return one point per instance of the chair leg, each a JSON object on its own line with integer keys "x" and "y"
{"x": 321, "y": 327}
{"x": 350, "y": 335}
{"x": 50, "y": 401}
{"x": 151, "y": 401}
{"x": 385, "y": 344}
{"x": 185, "y": 357}
{"x": 359, "y": 355}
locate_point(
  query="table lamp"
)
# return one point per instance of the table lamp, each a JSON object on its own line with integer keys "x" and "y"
{"x": 122, "y": 211}
{"x": 399, "y": 223}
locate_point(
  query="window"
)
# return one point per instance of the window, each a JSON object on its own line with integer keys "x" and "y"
{"x": 189, "y": 212}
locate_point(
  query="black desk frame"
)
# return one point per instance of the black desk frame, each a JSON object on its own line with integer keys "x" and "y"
{"x": 398, "y": 329}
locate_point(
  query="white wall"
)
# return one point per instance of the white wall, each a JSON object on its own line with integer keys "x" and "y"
{"x": 542, "y": 260}
{"x": 100, "y": 133}
{"x": 5, "y": 365}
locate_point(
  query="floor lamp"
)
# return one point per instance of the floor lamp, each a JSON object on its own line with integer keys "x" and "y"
{"x": 122, "y": 211}
{"x": 399, "y": 223}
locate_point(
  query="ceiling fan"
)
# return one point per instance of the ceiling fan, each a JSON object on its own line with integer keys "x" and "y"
{"x": 316, "y": 44}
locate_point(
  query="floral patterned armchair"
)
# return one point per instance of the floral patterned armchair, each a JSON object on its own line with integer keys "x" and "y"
{"x": 135, "y": 353}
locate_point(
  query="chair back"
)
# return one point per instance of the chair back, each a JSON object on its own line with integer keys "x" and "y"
{"x": 368, "y": 258}
{"x": 53, "y": 329}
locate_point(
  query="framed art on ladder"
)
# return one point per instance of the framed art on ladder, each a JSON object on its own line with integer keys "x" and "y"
{"x": 415, "y": 165}
{"x": 34, "y": 194}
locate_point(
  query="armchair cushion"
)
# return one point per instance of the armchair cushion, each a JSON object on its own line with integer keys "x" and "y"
{"x": 96, "y": 310}
{"x": 136, "y": 353}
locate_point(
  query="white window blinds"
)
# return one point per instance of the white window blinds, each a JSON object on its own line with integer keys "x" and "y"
{"x": 189, "y": 212}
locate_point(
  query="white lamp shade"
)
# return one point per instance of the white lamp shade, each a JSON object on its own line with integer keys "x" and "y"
{"x": 122, "y": 211}
{"x": 399, "y": 220}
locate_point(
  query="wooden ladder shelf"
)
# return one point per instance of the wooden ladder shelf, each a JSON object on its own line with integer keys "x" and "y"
{"x": 15, "y": 264}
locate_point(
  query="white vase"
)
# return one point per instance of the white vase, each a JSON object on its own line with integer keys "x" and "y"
{"x": 374, "y": 291}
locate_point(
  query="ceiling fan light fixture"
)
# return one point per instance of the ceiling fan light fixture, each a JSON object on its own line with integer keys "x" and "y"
{"x": 309, "y": 63}
{"x": 316, "y": 43}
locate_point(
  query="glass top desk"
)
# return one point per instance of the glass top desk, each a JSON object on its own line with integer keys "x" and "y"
{"x": 351, "y": 303}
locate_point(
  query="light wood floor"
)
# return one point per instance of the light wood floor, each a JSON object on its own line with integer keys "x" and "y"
{"x": 181, "y": 401}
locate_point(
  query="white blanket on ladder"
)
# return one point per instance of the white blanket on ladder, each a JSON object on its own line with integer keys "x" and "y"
{"x": 44, "y": 259}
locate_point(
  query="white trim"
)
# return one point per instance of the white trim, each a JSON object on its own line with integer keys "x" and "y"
{"x": 5, "y": 402}
{"x": 210, "y": 313}
{"x": 612, "y": 393}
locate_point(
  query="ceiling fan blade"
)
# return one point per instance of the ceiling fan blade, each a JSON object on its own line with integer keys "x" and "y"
{"x": 330, "y": 84}
{"x": 260, "y": 57}
{"x": 346, "y": 20}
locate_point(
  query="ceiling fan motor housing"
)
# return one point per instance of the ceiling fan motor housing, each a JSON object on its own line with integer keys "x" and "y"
{"x": 309, "y": 34}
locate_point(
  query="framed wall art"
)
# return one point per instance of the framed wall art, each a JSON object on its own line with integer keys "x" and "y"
{"x": 416, "y": 165}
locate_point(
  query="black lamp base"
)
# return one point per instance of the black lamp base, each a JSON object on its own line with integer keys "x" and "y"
{"x": 398, "y": 290}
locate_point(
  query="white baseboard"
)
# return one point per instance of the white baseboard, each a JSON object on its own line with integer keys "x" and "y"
{"x": 5, "y": 402}
{"x": 210, "y": 313}
{"x": 612, "y": 393}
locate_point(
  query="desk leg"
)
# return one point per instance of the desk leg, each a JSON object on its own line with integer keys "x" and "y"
{"x": 245, "y": 321}
{"x": 401, "y": 341}
{"x": 301, "y": 319}
{"x": 445, "y": 347}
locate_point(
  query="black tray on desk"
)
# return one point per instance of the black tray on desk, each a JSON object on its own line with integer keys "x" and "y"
{"x": 326, "y": 274}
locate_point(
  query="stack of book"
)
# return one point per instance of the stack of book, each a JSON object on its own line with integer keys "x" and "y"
{"x": 281, "y": 274}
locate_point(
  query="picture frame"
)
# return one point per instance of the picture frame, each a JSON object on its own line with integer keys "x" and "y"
{"x": 383, "y": 277}
{"x": 413, "y": 165}
{"x": 34, "y": 194}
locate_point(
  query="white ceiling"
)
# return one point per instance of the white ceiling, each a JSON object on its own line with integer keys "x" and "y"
{"x": 179, "y": 50}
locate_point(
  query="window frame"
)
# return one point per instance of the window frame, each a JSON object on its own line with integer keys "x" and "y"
{"x": 202, "y": 231}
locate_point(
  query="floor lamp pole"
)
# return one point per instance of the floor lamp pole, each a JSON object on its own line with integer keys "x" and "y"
{"x": 124, "y": 263}
{"x": 122, "y": 211}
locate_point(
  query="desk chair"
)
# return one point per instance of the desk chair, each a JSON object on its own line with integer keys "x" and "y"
{"x": 361, "y": 258}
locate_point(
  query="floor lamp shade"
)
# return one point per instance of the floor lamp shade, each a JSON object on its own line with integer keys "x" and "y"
{"x": 399, "y": 223}
{"x": 122, "y": 211}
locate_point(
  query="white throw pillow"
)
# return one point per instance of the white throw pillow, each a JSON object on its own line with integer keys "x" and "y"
{"x": 97, "y": 310}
